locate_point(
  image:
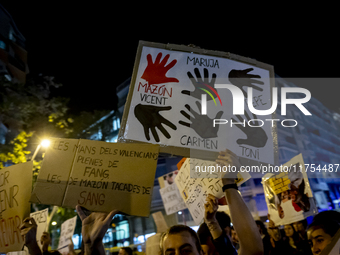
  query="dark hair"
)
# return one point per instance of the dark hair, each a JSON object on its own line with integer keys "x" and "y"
{"x": 262, "y": 227}
{"x": 296, "y": 236}
{"x": 128, "y": 250}
{"x": 203, "y": 233}
{"x": 329, "y": 221}
{"x": 223, "y": 219}
{"x": 176, "y": 229}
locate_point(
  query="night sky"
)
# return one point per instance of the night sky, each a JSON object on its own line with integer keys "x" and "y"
{"x": 91, "y": 49}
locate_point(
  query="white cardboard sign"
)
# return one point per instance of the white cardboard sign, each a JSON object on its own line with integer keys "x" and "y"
{"x": 67, "y": 230}
{"x": 165, "y": 98}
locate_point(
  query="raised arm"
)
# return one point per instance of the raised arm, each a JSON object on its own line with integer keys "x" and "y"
{"x": 93, "y": 230}
{"x": 243, "y": 222}
{"x": 28, "y": 231}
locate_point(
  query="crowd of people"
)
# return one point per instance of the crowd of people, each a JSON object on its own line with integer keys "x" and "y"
{"x": 216, "y": 235}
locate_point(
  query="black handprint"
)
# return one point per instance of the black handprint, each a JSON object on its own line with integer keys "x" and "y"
{"x": 199, "y": 83}
{"x": 202, "y": 124}
{"x": 149, "y": 117}
{"x": 241, "y": 78}
{"x": 256, "y": 136}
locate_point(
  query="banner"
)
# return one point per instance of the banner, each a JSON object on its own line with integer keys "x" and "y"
{"x": 177, "y": 98}
{"x": 97, "y": 175}
{"x": 15, "y": 190}
{"x": 288, "y": 194}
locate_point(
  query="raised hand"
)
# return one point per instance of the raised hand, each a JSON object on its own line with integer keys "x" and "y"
{"x": 155, "y": 72}
{"x": 210, "y": 207}
{"x": 28, "y": 230}
{"x": 202, "y": 124}
{"x": 201, "y": 84}
{"x": 94, "y": 228}
{"x": 256, "y": 136}
{"x": 149, "y": 117}
{"x": 242, "y": 78}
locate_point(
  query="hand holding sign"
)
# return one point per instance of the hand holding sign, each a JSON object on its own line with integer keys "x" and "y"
{"x": 155, "y": 72}
{"x": 202, "y": 124}
{"x": 149, "y": 117}
{"x": 201, "y": 85}
{"x": 256, "y": 136}
{"x": 241, "y": 78}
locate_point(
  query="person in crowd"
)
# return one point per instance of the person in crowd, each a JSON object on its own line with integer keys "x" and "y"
{"x": 28, "y": 231}
{"x": 213, "y": 232}
{"x": 300, "y": 227}
{"x": 125, "y": 251}
{"x": 224, "y": 222}
{"x": 265, "y": 237}
{"x": 279, "y": 242}
{"x": 234, "y": 238}
{"x": 290, "y": 242}
{"x": 292, "y": 236}
{"x": 322, "y": 230}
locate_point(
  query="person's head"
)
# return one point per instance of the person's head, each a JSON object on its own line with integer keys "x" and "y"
{"x": 321, "y": 231}
{"x": 234, "y": 236}
{"x": 125, "y": 251}
{"x": 275, "y": 233}
{"x": 206, "y": 239}
{"x": 262, "y": 228}
{"x": 224, "y": 221}
{"x": 300, "y": 226}
{"x": 289, "y": 230}
{"x": 180, "y": 239}
{"x": 45, "y": 239}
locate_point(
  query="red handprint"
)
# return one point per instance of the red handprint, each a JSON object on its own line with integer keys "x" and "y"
{"x": 155, "y": 72}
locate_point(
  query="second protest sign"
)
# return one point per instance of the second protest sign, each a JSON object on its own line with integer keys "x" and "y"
{"x": 101, "y": 177}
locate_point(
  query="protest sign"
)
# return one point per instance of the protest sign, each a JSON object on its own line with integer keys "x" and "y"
{"x": 66, "y": 233}
{"x": 177, "y": 98}
{"x": 288, "y": 194}
{"x": 55, "y": 171}
{"x": 41, "y": 218}
{"x": 160, "y": 222}
{"x": 100, "y": 176}
{"x": 195, "y": 190}
{"x": 15, "y": 190}
{"x": 172, "y": 200}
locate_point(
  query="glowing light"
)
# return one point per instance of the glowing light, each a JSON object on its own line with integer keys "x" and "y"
{"x": 54, "y": 223}
{"x": 45, "y": 143}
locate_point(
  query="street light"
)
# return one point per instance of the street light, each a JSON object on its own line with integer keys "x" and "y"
{"x": 44, "y": 143}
